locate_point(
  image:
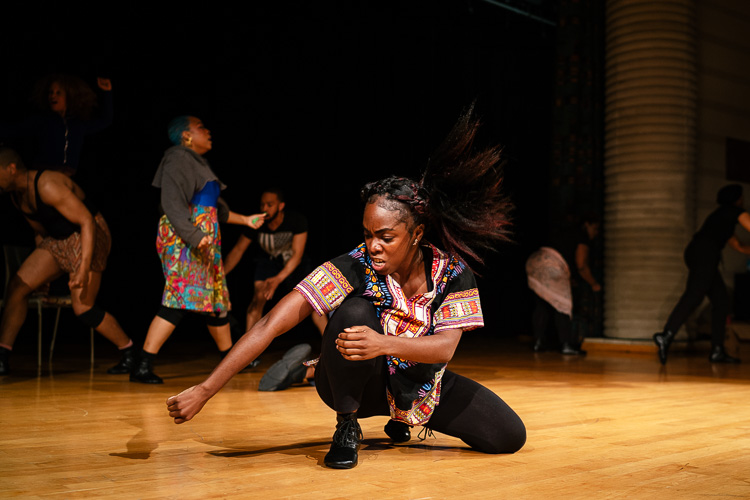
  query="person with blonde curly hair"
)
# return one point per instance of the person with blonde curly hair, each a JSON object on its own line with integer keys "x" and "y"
{"x": 67, "y": 106}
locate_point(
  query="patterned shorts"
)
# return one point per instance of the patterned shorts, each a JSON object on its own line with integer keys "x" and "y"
{"x": 67, "y": 252}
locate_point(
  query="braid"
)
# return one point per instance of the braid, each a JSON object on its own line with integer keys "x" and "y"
{"x": 468, "y": 210}
{"x": 399, "y": 194}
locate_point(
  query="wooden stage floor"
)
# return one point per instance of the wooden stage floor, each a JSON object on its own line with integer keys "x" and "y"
{"x": 611, "y": 425}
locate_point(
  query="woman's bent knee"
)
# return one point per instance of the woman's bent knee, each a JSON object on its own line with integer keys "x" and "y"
{"x": 508, "y": 439}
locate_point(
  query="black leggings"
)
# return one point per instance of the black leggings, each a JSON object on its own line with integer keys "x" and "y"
{"x": 174, "y": 316}
{"x": 704, "y": 279}
{"x": 467, "y": 410}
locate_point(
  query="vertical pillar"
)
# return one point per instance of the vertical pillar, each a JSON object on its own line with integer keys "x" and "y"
{"x": 650, "y": 142}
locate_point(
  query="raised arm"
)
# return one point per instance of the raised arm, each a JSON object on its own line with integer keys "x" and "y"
{"x": 289, "y": 312}
{"x": 106, "y": 117}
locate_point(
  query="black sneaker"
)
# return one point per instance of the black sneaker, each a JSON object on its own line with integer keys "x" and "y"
{"x": 127, "y": 363}
{"x": 719, "y": 355}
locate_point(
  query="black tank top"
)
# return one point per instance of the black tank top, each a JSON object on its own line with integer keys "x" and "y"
{"x": 54, "y": 223}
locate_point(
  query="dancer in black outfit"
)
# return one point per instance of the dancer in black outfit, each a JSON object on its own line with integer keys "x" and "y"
{"x": 553, "y": 272}
{"x": 399, "y": 306}
{"x": 702, "y": 257}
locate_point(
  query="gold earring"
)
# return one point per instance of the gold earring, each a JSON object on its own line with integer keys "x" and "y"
{"x": 188, "y": 141}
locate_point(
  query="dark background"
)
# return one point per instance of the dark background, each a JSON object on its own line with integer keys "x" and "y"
{"x": 315, "y": 97}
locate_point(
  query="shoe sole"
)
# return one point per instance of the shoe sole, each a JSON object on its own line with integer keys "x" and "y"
{"x": 280, "y": 375}
{"x": 341, "y": 466}
{"x": 154, "y": 382}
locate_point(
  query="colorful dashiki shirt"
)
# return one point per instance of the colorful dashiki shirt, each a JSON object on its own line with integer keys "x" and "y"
{"x": 194, "y": 278}
{"x": 451, "y": 303}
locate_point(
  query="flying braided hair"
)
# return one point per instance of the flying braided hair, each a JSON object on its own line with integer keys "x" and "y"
{"x": 458, "y": 198}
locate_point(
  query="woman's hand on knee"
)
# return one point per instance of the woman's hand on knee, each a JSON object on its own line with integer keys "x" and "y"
{"x": 358, "y": 343}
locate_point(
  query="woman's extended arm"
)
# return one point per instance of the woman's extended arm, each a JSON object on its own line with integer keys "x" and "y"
{"x": 289, "y": 312}
{"x": 254, "y": 221}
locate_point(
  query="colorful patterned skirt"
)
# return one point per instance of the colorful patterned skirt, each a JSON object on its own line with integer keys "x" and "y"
{"x": 194, "y": 278}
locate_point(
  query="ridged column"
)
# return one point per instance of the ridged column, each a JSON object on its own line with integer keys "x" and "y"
{"x": 650, "y": 141}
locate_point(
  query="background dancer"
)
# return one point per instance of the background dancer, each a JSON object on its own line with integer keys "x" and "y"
{"x": 72, "y": 237}
{"x": 553, "y": 272}
{"x": 189, "y": 243}
{"x": 67, "y": 105}
{"x": 702, "y": 257}
{"x": 280, "y": 265}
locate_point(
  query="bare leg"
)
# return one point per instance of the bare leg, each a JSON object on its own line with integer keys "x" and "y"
{"x": 38, "y": 268}
{"x": 222, "y": 336}
{"x": 158, "y": 333}
{"x": 83, "y": 300}
{"x": 255, "y": 309}
{"x": 320, "y": 323}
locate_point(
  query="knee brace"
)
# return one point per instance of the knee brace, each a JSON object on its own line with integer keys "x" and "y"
{"x": 93, "y": 317}
{"x": 173, "y": 316}
{"x": 212, "y": 320}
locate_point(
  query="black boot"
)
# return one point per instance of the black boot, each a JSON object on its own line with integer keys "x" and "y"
{"x": 4, "y": 363}
{"x": 143, "y": 371}
{"x": 663, "y": 341}
{"x": 346, "y": 439}
{"x": 126, "y": 364}
{"x": 399, "y": 432}
{"x": 719, "y": 355}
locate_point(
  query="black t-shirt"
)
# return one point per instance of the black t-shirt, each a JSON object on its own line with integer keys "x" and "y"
{"x": 567, "y": 244}
{"x": 719, "y": 226}
{"x": 278, "y": 243}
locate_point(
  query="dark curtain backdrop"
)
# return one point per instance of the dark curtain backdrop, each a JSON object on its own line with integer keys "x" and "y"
{"x": 315, "y": 97}
{"x": 576, "y": 181}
